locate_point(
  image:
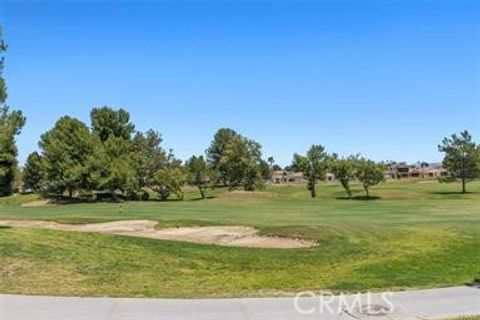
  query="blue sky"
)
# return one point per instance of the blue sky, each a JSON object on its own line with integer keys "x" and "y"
{"x": 388, "y": 79}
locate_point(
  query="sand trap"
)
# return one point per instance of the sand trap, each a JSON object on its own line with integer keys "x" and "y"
{"x": 239, "y": 236}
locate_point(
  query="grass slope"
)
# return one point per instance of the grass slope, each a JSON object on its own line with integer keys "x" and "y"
{"x": 415, "y": 235}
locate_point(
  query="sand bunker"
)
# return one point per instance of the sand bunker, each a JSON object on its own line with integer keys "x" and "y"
{"x": 239, "y": 236}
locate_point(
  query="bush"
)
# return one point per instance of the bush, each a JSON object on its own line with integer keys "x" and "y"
{"x": 145, "y": 196}
{"x": 132, "y": 195}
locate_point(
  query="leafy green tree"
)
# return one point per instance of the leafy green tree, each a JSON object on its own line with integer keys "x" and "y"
{"x": 107, "y": 122}
{"x": 240, "y": 163}
{"x": 216, "y": 151}
{"x": 66, "y": 149}
{"x": 369, "y": 173}
{"x": 344, "y": 170}
{"x": 168, "y": 181}
{"x": 236, "y": 159}
{"x": 199, "y": 174}
{"x": 313, "y": 165}
{"x": 148, "y": 155}
{"x": 11, "y": 123}
{"x": 266, "y": 169}
{"x": 462, "y": 158}
{"x": 33, "y": 172}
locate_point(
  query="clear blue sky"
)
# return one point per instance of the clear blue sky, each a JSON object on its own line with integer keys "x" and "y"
{"x": 387, "y": 78}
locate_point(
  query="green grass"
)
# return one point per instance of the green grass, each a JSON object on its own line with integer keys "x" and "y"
{"x": 416, "y": 235}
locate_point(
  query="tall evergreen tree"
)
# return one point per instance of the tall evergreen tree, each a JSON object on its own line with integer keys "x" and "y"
{"x": 33, "y": 172}
{"x": 66, "y": 149}
{"x": 107, "y": 122}
{"x": 148, "y": 156}
{"x": 112, "y": 165}
{"x": 216, "y": 151}
{"x": 11, "y": 123}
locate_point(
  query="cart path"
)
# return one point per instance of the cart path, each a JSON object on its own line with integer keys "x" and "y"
{"x": 421, "y": 304}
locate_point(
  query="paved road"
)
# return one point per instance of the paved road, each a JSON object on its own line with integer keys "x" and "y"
{"x": 423, "y": 304}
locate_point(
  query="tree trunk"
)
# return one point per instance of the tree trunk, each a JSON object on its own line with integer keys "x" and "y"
{"x": 464, "y": 188}
{"x": 202, "y": 192}
{"x": 114, "y": 194}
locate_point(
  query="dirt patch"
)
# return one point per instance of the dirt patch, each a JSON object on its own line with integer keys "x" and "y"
{"x": 39, "y": 203}
{"x": 238, "y": 236}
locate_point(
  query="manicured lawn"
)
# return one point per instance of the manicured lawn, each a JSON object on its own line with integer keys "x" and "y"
{"x": 416, "y": 235}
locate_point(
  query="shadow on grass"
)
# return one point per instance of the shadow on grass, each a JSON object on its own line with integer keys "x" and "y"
{"x": 5, "y": 227}
{"x": 360, "y": 198}
{"x": 458, "y": 193}
{"x": 200, "y": 198}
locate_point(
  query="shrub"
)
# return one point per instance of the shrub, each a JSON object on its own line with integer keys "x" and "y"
{"x": 145, "y": 196}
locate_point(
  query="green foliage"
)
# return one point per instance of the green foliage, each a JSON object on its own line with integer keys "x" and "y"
{"x": 107, "y": 158}
{"x": 462, "y": 158}
{"x": 369, "y": 173}
{"x": 145, "y": 196}
{"x": 33, "y": 172}
{"x": 313, "y": 165}
{"x": 66, "y": 149}
{"x": 107, "y": 122}
{"x": 199, "y": 174}
{"x": 148, "y": 156}
{"x": 168, "y": 181}
{"x": 344, "y": 170}
{"x": 240, "y": 163}
{"x": 3, "y": 86}
{"x": 11, "y": 123}
{"x": 237, "y": 160}
{"x": 132, "y": 195}
{"x": 266, "y": 169}
{"x": 110, "y": 166}
{"x": 217, "y": 149}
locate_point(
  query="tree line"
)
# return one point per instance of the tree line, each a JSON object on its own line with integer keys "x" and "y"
{"x": 108, "y": 156}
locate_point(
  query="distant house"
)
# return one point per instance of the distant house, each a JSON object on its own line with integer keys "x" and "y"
{"x": 398, "y": 170}
{"x": 283, "y": 176}
{"x": 330, "y": 177}
{"x": 434, "y": 170}
{"x": 424, "y": 170}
